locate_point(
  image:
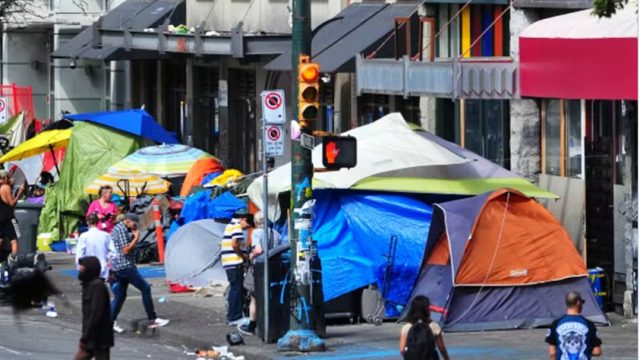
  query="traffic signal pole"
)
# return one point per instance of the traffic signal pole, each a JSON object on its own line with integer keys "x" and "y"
{"x": 306, "y": 311}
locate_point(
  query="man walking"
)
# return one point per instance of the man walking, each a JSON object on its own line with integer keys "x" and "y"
{"x": 97, "y": 336}
{"x": 233, "y": 257}
{"x": 95, "y": 242}
{"x": 573, "y": 337}
{"x": 125, "y": 236}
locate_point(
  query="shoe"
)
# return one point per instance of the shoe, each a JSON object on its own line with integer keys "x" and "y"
{"x": 246, "y": 329}
{"x": 241, "y": 321}
{"x": 158, "y": 322}
{"x": 117, "y": 328}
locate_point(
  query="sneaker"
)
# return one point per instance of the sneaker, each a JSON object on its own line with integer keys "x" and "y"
{"x": 241, "y": 321}
{"x": 158, "y": 322}
{"x": 246, "y": 329}
{"x": 117, "y": 328}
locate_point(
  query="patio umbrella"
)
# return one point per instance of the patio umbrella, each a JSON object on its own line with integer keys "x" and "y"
{"x": 128, "y": 182}
{"x": 136, "y": 121}
{"x": 164, "y": 160}
{"x": 45, "y": 141}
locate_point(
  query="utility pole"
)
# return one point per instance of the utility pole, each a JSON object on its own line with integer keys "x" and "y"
{"x": 306, "y": 310}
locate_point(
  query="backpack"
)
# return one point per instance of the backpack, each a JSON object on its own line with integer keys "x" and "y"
{"x": 421, "y": 344}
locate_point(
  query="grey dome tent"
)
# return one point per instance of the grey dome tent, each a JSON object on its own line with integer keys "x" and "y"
{"x": 192, "y": 256}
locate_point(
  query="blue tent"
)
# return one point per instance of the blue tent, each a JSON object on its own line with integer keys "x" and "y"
{"x": 136, "y": 121}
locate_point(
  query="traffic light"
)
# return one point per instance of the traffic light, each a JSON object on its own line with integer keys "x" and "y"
{"x": 339, "y": 152}
{"x": 308, "y": 89}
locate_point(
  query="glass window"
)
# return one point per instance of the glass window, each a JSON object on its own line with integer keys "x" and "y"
{"x": 573, "y": 116}
{"x": 552, "y": 141}
{"x": 486, "y": 129}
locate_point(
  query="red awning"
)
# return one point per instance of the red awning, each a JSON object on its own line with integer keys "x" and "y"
{"x": 578, "y": 56}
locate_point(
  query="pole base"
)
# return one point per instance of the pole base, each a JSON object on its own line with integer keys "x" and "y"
{"x": 301, "y": 340}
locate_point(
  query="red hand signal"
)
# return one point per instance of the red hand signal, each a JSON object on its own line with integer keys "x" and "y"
{"x": 332, "y": 152}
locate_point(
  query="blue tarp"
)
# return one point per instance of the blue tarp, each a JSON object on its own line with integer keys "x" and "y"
{"x": 136, "y": 121}
{"x": 199, "y": 206}
{"x": 353, "y": 230}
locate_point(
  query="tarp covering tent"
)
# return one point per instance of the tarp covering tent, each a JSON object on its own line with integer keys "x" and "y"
{"x": 91, "y": 150}
{"x": 135, "y": 122}
{"x": 354, "y": 229}
{"x": 500, "y": 261}
{"x": 394, "y": 157}
{"x": 192, "y": 257}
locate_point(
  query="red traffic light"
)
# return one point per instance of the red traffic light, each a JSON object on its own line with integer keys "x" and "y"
{"x": 339, "y": 152}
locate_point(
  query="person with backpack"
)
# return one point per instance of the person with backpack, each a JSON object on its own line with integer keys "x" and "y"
{"x": 420, "y": 336}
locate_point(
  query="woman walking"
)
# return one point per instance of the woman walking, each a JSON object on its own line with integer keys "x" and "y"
{"x": 420, "y": 336}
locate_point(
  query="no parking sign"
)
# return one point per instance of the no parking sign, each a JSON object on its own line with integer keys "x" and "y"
{"x": 273, "y": 108}
{"x": 4, "y": 111}
{"x": 274, "y": 140}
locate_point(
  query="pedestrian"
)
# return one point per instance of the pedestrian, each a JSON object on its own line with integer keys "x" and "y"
{"x": 9, "y": 229}
{"x": 257, "y": 238}
{"x": 573, "y": 337}
{"x": 233, "y": 254}
{"x": 125, "y": 236}
{"x": 420, "y": 336}
{"x": 95, "y": 242}
{"x": 104, "y": 208}
{"x": 97, "y": 334}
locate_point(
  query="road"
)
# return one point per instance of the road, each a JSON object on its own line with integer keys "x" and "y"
{"x": 33, "y": 336}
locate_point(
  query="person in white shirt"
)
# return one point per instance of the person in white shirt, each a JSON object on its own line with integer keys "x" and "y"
{"x": 95, "y": 242}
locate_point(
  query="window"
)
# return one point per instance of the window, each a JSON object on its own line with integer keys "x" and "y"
{"x": 562, "y": 140}
{"x": 486, "y": 129}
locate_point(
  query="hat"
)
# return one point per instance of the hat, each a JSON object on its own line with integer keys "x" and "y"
{"x": 132, "y": 217}
{"x": 573, "y": 298}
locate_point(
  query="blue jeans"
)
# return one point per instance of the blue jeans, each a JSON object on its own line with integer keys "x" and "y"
{"x": 119, "y": 287}
{"x": 235, "y": 298}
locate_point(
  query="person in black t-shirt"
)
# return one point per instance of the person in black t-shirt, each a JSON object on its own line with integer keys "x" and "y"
{"x": 573, "y": 337}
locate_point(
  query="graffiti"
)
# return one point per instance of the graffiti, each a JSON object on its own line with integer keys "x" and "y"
{"x": 303, "y": 188}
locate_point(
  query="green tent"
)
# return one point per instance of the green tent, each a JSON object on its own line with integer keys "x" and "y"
{"x": 91, "y": 151}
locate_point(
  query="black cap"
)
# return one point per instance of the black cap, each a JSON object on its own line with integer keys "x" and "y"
{"x": 132, "y": 217}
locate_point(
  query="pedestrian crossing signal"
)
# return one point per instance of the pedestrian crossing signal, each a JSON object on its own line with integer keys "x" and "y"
{"x": 308, "y": 89}
{"x": 339, "y": 152}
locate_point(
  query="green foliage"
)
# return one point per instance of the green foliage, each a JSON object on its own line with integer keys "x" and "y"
{"x": 606, "y": 8}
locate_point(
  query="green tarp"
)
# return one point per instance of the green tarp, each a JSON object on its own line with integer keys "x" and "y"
{"x": 91, "y": 151}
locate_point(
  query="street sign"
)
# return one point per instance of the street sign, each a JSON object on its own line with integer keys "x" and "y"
{"x": 274, "y": 140}
{"x": 273, "y": 107}
{"x": 307, "y": 141}
{"x": 4, "y": 111}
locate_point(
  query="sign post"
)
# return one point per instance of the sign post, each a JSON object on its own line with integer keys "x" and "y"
{"x": 273, "y": 119}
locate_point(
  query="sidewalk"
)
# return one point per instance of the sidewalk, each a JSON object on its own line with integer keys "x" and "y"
{"x": 200, "y": 322}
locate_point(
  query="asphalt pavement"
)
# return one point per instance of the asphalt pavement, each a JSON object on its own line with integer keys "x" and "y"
{"x": 198, "y": 321}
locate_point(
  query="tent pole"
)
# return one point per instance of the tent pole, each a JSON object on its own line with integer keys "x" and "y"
{"x": 55, "y": 162}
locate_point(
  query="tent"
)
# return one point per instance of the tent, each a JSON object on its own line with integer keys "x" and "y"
{"x": 500, "y": 261}
{"x": 198, "y": 171}
{"x": 192, "y": 257}
{"x": 354, "y": 229}
{"x": 394, "y": 157}
{"x": 91, "y": 150}
{"x": 135, "y": 122}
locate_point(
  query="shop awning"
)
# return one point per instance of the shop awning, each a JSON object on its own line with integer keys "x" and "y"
{"x": 579, "y": 56}
{"x": 132, "y": 15}
{"x": 359, "y": 27}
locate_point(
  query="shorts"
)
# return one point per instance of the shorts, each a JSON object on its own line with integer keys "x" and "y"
{"x": 9, "y": 230}
{"x": 249, "y": 282}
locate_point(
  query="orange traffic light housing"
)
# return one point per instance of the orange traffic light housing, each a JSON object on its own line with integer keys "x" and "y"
{"x": 308, "y": 89}
{"x": 339, "y": 152}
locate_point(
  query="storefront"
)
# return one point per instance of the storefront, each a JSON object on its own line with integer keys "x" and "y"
{"x": 588, "y": 128}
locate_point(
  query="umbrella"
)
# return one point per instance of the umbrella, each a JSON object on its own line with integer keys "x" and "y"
{"x": 163, "y": 160}
{"x": 123, "y": 181}
{"x": 45, "y": 141}
{"x": 136, "y": 121}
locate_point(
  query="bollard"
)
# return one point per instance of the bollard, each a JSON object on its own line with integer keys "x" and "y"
{"x": 157, "y": 216}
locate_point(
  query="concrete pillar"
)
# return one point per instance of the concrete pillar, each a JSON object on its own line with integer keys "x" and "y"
{"x": 428, "y": 114}
{"x": 524, "y": 114}
{"x": 119, "y": 85}
{"x": 187, "y": 136}
{"x": 160, "y": 91}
